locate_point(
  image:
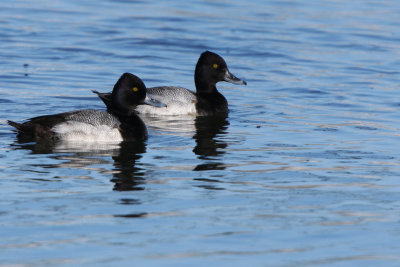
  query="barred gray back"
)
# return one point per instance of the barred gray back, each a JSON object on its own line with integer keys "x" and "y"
{"x": 93, "y": 117}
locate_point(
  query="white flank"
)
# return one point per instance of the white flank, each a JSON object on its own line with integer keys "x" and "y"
{"x": 79, "y": 131}
{"x": 179, "y": 101}
{"x": 173, "y": 108}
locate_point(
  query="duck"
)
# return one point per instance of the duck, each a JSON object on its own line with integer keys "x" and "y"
{"x": 210, "y": 69}
{"x": 120, "y": 124}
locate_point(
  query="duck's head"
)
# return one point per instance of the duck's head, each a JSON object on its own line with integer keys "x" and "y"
{"x": 211, "y": 68}
{"x": 130, "y": 91}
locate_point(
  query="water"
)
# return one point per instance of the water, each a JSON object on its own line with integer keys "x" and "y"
{"x": 304, "y": 171}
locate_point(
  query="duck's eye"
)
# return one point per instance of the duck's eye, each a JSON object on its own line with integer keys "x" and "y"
{"x": 215, "y": 65}
{"x": 135, "y": 89}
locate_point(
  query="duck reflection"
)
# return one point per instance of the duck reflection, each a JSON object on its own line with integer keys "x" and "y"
{"x": 208, "y": 147}
{"x": 128, "y": 177}
{"x": 80, "y": 155}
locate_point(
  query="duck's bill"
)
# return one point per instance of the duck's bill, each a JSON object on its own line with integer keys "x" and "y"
{"x": 230, "y": 78}
{"x": 152, "y": 102}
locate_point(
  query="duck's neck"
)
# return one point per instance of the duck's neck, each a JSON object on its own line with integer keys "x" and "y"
{"x": 211, "y": 103}
{"x": 132, "y": 127}
{"x": 204, "y": 87}
{"x": 209, "y": 100}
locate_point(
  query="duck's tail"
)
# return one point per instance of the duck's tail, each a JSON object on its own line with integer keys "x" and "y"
{"x": 15, "y": 125}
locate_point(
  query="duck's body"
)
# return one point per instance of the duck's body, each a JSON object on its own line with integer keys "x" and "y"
{"x": 179, "y": 100}
{"x": 210, "y": 69}
{"x": 121, "y": 124}
{"x": 87, "y": 125}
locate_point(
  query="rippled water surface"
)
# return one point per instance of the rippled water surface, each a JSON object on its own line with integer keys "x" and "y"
{"x": 304, "y": 172}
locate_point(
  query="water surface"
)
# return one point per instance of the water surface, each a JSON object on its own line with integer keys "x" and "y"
{"x": 304, "y": 170}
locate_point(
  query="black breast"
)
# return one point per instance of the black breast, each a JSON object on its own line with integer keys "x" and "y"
{"x": 211, "y": 104}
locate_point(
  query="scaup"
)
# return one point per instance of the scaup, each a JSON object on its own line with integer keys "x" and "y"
{"x": 210, "y": 69}
{"x": 119, "y": 124}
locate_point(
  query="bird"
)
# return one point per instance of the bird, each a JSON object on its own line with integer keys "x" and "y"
{"x": 120, "y": 124}
{"x": 207, "y": 100}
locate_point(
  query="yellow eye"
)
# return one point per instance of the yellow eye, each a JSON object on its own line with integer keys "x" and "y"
{"x": 215, "y": 65}
{"x": 135, "y": 89}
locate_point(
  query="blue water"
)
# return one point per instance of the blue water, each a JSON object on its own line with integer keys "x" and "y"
{"x": 304, "y": 171}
